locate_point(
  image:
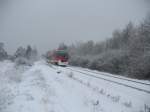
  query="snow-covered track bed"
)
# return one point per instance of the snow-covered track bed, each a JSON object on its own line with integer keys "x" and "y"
{"x": 113, "y": 76}
{"x": 137, "y": 85}
{"x": 128, "y": 92}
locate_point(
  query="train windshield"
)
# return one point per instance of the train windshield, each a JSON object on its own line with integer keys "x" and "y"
{"x": 62, "y": 53}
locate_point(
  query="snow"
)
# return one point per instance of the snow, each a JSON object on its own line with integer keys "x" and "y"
{"x": 47, "y": 88}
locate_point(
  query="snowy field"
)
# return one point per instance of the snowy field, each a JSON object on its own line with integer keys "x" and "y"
{"x": 47, "y": 88}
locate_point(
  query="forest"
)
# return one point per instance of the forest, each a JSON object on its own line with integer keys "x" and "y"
{"x": 126, "y": 53}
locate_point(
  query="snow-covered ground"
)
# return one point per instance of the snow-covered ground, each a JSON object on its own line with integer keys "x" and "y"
{"x": 41, "y": 88}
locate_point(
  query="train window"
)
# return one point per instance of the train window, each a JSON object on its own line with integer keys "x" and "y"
{"x": 62, "y": 53}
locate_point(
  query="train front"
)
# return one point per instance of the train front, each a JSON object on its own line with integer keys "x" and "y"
{"x": 60, "y": 57}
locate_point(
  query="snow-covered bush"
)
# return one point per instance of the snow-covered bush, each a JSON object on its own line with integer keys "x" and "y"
{"x": 6, "y": 98}
{"x": 128, "y": 104}
{"x": 113, "y": 61}
{"x": 70, "y": 75}
{"x": 22, "y": 61}
{"x": 25, "y": 56}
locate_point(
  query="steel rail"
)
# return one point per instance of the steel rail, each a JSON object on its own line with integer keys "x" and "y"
{"x": 108, "y": 80}
{"x": 148, "y": 84}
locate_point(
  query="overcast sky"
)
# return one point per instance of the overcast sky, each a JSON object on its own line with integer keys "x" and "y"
{"x": 46, "y": 23}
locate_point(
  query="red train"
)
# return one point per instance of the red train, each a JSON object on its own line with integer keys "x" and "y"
{"x": 59, "y": 57}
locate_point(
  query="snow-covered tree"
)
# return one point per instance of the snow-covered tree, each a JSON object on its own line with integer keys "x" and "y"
{"x": 20, "y": 52}
{"x": 33, "y": 54}
{"x": 140, "y": 51}
{"x": 28, "y": 52}
{"x": 26, "y": 56}
{"x": 3, "y": 53}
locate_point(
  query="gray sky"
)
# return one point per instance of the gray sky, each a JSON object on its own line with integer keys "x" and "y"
{"x": 46, "y": 23}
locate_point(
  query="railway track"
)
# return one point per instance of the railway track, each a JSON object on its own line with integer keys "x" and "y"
{"x": 99, "y": 76}
{"x": 91, "y": 74}
{"x": 107, "y": 75}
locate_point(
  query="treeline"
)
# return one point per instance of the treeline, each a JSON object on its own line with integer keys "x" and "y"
{"x": 126, "y": 53}
{"x": 21, "y": 56}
